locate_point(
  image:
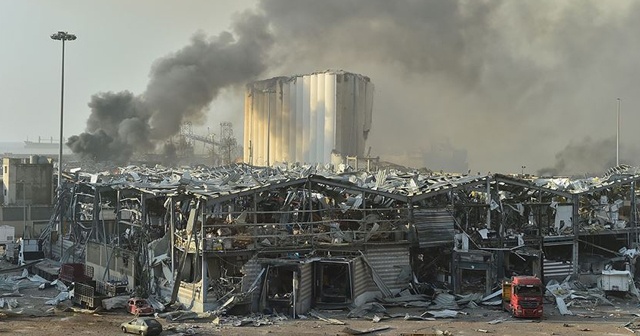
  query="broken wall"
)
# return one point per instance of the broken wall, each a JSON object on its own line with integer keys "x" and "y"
{"x": 119, "y": 262}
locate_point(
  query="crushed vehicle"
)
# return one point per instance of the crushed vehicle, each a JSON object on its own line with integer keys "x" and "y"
{"x": 139, "y": 307}
{"x": 522, "y": 296}
{"x": 144, "y": 326}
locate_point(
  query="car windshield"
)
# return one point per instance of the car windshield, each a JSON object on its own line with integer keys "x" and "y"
{"x": 528, "y": 290}
{"x": 152, "y": 323}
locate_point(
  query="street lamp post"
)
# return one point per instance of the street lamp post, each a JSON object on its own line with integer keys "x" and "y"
{"x": 618, "y": 135}
{"x": 61, "y": 36}
{"x": 24, "y": 203}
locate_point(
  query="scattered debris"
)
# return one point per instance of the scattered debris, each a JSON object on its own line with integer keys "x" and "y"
{"x": 409, "y": 317}
{"x": 8, "y": 303}
{"x": 324, "y": 318}
{"x": 115, "y": 302}
{"x": 442, "y": 313}
{"x": 253, "y": 320}
{"x": 445, "y": 301}
{"x": 633, "y": 326}
{"x": 369, "y": 307}
{"x": 496, "y": 321}
{"x": 351, "y": 331}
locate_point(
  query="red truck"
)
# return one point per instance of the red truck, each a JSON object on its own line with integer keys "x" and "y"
{"x": 522, "y": 296}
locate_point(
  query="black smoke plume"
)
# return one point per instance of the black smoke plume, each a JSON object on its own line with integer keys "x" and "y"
{"x": 181, "y": 87}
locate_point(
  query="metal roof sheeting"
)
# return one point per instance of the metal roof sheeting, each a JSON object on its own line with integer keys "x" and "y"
{"x": 434, "y": 226}
{"x": 240, "y": 179}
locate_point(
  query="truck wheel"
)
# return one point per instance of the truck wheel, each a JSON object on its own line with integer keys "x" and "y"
{"x": 124, "y": 330}
{"x": 142, "y": 333}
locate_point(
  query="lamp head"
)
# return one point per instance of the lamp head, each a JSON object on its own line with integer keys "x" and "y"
{"x": 63, "y": 36}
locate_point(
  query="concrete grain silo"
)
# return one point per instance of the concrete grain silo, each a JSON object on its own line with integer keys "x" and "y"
{"x": 306, "y": 118}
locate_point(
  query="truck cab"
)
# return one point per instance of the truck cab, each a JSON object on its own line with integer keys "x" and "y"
{"x": 29, "y": 250}
{"x": 522, "y": 296}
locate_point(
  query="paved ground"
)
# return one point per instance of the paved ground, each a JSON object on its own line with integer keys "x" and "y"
{"x": 32, "y": 317}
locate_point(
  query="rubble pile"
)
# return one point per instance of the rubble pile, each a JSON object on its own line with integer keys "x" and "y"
{"x": 294, "y": 237}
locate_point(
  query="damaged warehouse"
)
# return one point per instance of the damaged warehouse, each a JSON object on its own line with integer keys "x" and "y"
{"x": 289, "y": 239}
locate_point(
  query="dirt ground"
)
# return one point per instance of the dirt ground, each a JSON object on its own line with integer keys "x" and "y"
{"x": 586, "y": 322}
{"x": 32, "y": 316}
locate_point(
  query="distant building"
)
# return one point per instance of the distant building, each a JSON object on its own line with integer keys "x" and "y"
{"x": 27, "y": 193}
{"x": 307, "y": 118}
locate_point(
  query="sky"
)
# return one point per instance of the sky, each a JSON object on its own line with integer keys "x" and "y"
{"x": 117, "y": 42}
{"x": 507, "y": 83}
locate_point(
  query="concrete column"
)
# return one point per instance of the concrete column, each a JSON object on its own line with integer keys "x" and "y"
{"x": 574, "y": 223}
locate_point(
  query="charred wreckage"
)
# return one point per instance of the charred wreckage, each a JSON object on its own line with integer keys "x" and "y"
{"x": 292, "y": 238}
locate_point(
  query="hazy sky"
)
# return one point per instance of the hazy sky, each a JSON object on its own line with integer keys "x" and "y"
{"x": 118, "y": 40}
{"x": 510, "y": 82}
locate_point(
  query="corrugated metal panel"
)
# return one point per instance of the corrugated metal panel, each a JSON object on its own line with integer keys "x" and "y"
{"x": 362, "y": 281}
{"x": 306, "y": 117}
{"x": 276, "y": 118}
{"x": 251, "y": 269}
{"x": 293, "y": 119}
{"x": 286, "y": 122}
{"x": 250, "y": 140}
{"x": 368, "y": 112}
{"x": 247, "y": 124}
{"x": 313, "y": 117}
{"x": 330, "y": 115}
{"x": 434, "y": 227}
{"x": 388, "y": 262}
{"x": 359, "y": 108}
{"x": 344, "y": 102}
{"x": 264, "y": 130}
{"x": 271, "y": 122}
{"x": 305, "y": 292}
{"x": 320, "y": 111}
{"x": 558, "y": 269}
{"x": 259, "y": 123}
{"x": 299, "y": 119}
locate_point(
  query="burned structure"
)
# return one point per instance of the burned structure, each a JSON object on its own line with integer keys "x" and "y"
{"x": 307, "y": 118}
{"x": 289, "y": 238}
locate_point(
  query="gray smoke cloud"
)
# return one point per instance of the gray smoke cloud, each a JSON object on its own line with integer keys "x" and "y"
{"x": 181, "y": 87}
{"x": 590, "y": 157}
{"x": 587, "y": 156}
{"x": 510, "y": 82}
